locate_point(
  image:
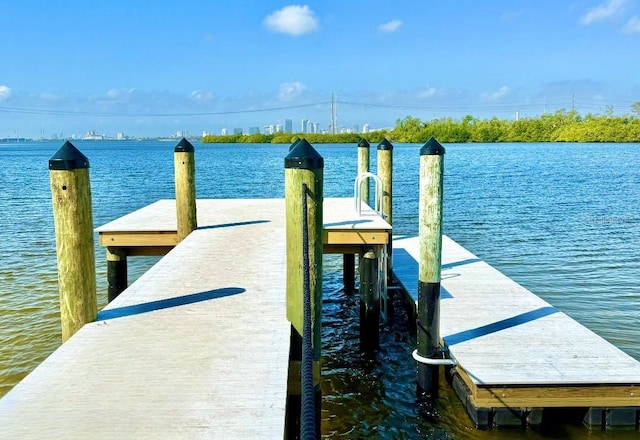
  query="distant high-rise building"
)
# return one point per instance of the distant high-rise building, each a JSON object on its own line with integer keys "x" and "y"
{"x": 254, "y": 130}
{"x": 120, "y": 136}
{"x": 316, "y": 128}
{"x": 223, "y": 132}
{"x": 278, "y": 128}
{"x": 272, "y": 129}
{"x": 303, "y": 126}
{"x": 309, "y": 127}
{"x": 288, "y": 126}
{"x": 365, "y": 128}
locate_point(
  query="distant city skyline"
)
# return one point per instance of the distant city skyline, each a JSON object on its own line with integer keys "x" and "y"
{"x": 285, "y": 125}
{"x": 307, "y": 126}
{"x": 66, "y": 70}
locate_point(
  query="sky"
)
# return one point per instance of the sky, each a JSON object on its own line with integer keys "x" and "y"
{"x": 152, "y": 68}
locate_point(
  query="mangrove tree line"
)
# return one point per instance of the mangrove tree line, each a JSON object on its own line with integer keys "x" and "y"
{"x": 561, "y": 126}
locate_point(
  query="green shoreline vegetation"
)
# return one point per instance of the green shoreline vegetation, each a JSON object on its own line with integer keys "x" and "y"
{"x": 561, "y": 126}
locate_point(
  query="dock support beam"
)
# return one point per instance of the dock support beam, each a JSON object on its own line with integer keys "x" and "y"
{"x": 369, "y": 302}
{"x": 185, "y": 181}
{"x": 303, "y": 165}
{"x": 73, "y": 221}
{"x": 430, "y": 237}
{"x": 116, "y": 272}
{"x": 385, "y": 172}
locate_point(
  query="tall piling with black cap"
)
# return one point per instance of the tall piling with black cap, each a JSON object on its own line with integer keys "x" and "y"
{"x": 349, "y": 260}
{"x": 185, "y": 182}
{"x": 73, "y": 222}
{"x": 363, "y": 167}
{"x": 385, "y": 172}
{"x": 430, "y": 238}
{"x": 369, "y": 302}
{"x": 304, "y": 174}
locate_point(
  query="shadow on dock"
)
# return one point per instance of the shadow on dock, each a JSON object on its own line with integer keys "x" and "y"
{"x": 484, "y": 330}
{"x": 151, "y": 306}
{"x": 230, "y": 225}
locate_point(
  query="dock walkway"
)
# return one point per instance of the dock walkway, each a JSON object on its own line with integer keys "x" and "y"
{"x": 513, "y": 349}
{"x": 198, "y": 346}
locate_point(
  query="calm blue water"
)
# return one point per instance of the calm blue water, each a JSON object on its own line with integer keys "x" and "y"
{"x": 561, "y": 219}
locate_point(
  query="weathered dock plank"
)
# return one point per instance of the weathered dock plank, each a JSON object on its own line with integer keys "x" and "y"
{"x": 514, "y": 349}
{"x": 197, "y": 347}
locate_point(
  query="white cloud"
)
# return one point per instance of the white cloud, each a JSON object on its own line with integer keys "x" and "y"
{"x": 391, "y": 26}
{"x": 494, "y": 96}
{"x": 202, "y": 95}
{"x": 293, "y": 20}
{"x": 290, "y": 90}
{"x": 120, "y": 94}
{"x": 5, "y": 93}
{"x": 604, "y": 11}
{"x": 428, "y": 92}
{"x": 632, "y": 26}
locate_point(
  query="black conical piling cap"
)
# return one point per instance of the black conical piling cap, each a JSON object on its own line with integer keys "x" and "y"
{"x": 363, "y": 143}
{"x": 304, "y": 156}
{"x": 385, "y": 145}
{"x": 432, "y": 148}
{"x": 68, "y": 157}
{"x": 184, "y": 146}
{"x": 293, "y": 145}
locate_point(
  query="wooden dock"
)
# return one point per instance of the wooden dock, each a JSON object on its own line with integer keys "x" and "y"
{"x": 516, "y": 354}
{"x": 198, "y": 346}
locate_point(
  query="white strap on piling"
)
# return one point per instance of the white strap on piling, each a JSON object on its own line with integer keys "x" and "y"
{"x": 429, "y": 361}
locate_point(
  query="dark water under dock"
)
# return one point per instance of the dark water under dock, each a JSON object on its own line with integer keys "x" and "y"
{"x": 563, "y": 220}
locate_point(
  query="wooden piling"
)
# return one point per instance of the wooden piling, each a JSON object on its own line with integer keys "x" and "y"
{"x": 369, "y": 302}
{"x": 430, "y": 236}
{"x": 363, "y": 167}
{"x": 73, "y": 221}
{"x": 385, "y": 172}
{"x": 116, "y": 272}
{"x": 185, "y": 181}
{"x": 303, "y": 165}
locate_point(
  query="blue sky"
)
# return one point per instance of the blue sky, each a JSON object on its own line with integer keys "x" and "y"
{"x": 150, "y": 68}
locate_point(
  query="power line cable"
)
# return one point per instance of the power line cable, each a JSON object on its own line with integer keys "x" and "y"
{"x": 50, "y": 112}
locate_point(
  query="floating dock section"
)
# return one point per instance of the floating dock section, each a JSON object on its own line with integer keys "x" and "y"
{"x": 515, "y": 353}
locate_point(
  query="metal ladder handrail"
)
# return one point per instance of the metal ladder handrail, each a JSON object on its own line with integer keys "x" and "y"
{"x": 378, "y": 207}
{"x": 357, "y": 192}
